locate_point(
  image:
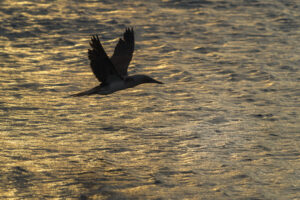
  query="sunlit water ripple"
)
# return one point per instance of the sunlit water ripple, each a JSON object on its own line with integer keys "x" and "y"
{"x": 225, "y": 125}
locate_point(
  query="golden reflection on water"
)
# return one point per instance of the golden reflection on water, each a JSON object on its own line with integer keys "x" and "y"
{"x": 220, "y": 127}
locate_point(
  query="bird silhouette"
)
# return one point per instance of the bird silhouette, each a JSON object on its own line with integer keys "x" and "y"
{"x": 112, "y": 72}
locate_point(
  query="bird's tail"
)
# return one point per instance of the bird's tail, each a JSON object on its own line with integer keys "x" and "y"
{"x": 80, "y": 94}
{"x": 88, "y": 92}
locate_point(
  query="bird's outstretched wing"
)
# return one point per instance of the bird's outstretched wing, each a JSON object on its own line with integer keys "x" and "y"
{"x": 101, "y": 65}
{"x": 123, "y": 52}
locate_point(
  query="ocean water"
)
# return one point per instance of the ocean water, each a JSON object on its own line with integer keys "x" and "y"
{"x": 225, "y": 125}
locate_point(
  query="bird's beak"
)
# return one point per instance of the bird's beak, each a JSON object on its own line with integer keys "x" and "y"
{"x": 155, "y": 81}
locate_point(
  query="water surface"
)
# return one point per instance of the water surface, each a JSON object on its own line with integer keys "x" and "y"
{"x": 225, "y": 125}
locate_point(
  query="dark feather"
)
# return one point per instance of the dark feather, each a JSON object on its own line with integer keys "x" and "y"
{"x": 100, "y": 63}
{"x": 123, "y": 52}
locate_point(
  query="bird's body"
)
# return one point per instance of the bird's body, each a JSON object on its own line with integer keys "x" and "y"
{"x": 112, "y": 72}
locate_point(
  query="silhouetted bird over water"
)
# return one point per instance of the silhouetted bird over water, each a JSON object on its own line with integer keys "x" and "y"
{"x": 112, "y": 72}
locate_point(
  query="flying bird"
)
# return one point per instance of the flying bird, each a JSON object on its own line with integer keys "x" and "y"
{"x": 112, "y": 72}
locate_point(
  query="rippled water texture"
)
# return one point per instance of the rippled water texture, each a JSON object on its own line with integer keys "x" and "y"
{"x": 225, "y": 125}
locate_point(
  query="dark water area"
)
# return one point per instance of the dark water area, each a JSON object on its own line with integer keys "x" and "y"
{"x": 225, "y": 125}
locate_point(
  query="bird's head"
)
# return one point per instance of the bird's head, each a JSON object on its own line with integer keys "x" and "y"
{"x": 148, "y": 79}
{"x": 140, "y": 79}
{"x": 145, "y": 79}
